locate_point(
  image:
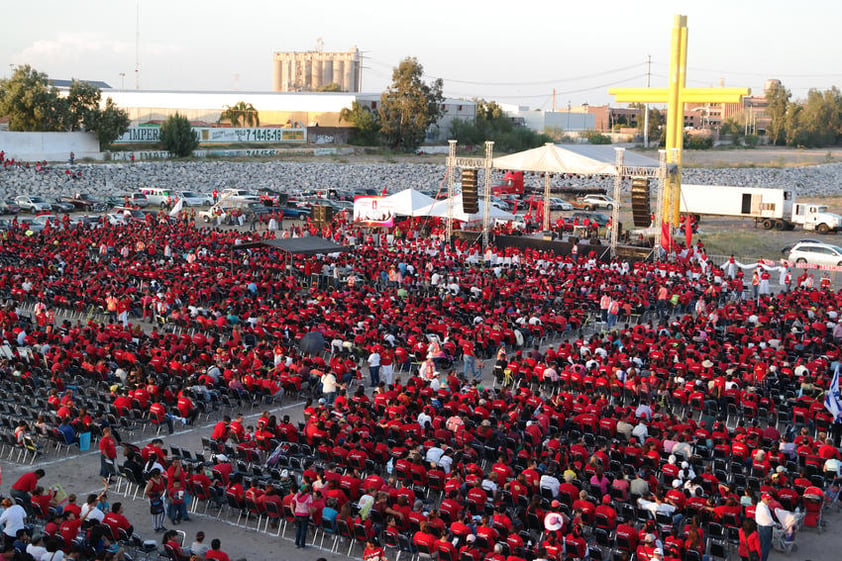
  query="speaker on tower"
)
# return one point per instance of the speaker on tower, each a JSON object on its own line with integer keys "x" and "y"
{"x": 470, "y": 203}
{"x": 641, "y": 211}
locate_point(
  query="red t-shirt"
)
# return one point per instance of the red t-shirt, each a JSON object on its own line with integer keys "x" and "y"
{"x": 218, "y": 555}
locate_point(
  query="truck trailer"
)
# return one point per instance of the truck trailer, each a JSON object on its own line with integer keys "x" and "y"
{"x": 768, "y": 206}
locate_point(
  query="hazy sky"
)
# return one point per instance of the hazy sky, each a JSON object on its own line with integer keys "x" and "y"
{"x": 512, "y": 52}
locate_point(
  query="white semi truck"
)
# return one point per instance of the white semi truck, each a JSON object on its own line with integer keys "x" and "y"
{"x": 770, "y": 207}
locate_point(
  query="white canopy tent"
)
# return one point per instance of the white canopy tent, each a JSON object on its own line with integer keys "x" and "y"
{"x": 552, "y": 158}
{"x": 580, "y": 159}
{"x": 408, "y": 202}
{"x": 439, "y": 209}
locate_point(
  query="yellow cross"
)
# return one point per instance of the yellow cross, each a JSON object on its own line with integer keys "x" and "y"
{"x": 675, "y": 97}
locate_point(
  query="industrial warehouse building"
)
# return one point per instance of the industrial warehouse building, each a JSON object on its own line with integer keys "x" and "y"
{"x": 275, "y": 109}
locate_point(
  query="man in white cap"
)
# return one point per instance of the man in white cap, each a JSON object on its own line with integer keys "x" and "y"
{"x": 765, "y": 524}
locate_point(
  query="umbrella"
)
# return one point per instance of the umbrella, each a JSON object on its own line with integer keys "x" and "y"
{"x": 312, "y": 343}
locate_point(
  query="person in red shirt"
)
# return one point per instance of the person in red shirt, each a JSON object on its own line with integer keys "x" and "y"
{"x": 373, "y": 551}
{"x": 108, "y": 456}
{"x": 24, "y": 486}
{"x": 117, "y": 521}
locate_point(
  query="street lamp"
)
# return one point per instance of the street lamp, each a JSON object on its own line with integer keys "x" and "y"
{"x": 568, "y": 115}
{"x": 122, "y": 76}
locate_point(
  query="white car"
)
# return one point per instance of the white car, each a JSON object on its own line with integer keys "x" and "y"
{"x": 559, "y": 204}
{"x": 38, "y": 223}
{"x": 817, "y": 253}
{"x": 116, "y": 219}
{"x": 238, "y": 195}
{"x": 192, "y": 198}
{"x": 32, "y": 203}
{"x": 592, "y": 202}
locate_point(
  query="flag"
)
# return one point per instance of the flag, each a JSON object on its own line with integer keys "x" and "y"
{"x": 176, "y": 209}
{"x": 384, "y": 193}
{"x": 666, "y": 235}
{"x": 831, "y": 398}
{"x": 688, "y": 231}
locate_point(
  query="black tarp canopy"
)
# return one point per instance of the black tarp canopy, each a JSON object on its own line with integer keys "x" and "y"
{"x": 311, "y": 245}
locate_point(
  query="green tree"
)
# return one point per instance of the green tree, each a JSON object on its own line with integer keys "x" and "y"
{"x": 364, "y": 121}
{"x": 657, "y": 122}
{"x": 492, "y": 124}
{"x": 777, "y": 98}
{"x": 409, "y": 107}
{"x": 177, "y": 136}
{"x": 240, "y": 114}
{"x": 821, "y": 117}
{"x": 110, "y": 123}
{"x": 796, "y": 131}
{"x": 30, "y": 103}
{"x": 82, "y": 106}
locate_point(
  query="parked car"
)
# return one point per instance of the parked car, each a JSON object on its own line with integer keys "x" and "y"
{"x": 40, "y": 222}
{"x": 87, "y": 220}
{"x": 139, "y": 200}
{"x": 788, "y": 247}
{"x": 116, "y": 219}
{"x": 9, "y": 207}
{"x": 86, "y": 202}
{"x": 60, "y": 206}
{"x": 158, "y": 197}
{"x": 600, "y": 218}
{"x": 131, "y": 214}
{"x": 592, "y": 202}
{"x": 239, "y": 195}
{"x": 192, "y": 198}
{"x": 32, "y": 203}
{"x": 559, "y": 204}
{"x": 817, "y": 253}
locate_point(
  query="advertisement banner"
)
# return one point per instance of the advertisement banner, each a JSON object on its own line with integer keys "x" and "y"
{"x": 215, "y": 135}
{"x": 832, "y": 268}
{"x": 373, "y": 211}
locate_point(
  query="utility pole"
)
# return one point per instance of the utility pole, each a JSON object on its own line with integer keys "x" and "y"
{"x": 553, "y": 100}
{"x": 646, "y": 105}
{"x": 137, "y": 48}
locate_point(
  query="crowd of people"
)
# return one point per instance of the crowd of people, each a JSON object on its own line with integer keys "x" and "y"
{"x": 45, "y": 524}
{"x": 638, "y": 403}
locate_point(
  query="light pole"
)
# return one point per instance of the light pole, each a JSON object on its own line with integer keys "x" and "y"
{"x": 568, "y": 115}
{"x": 122, "y": 76}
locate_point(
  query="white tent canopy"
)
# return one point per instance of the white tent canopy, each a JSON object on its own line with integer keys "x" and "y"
{"x": 552, "y": 158}
{"x": 408, "y": 202}
{"x": 580, "y": 159}
{"x": 439, "y": 209}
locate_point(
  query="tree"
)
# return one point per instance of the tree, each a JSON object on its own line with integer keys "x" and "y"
{"x": 111, "y": 123}
{"x": 409, "y": 107}
{"x": 492, "y": 124}
{"x": 777, "y": 98}
{"x": 82, "y": 106}
{"x": 364, "y": 121}
{"x": 821, "y": 117}
{"x": 177, "y": 136}
{"x": 30, "y": 103}
{"x": 657, "y": 122}
{"x": 240, "y": 114}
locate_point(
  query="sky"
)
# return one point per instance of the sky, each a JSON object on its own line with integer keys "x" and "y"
{"x": 510, "y": 52}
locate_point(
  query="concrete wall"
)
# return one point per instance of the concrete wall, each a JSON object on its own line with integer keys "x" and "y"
{"x": 50, "y": 146}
